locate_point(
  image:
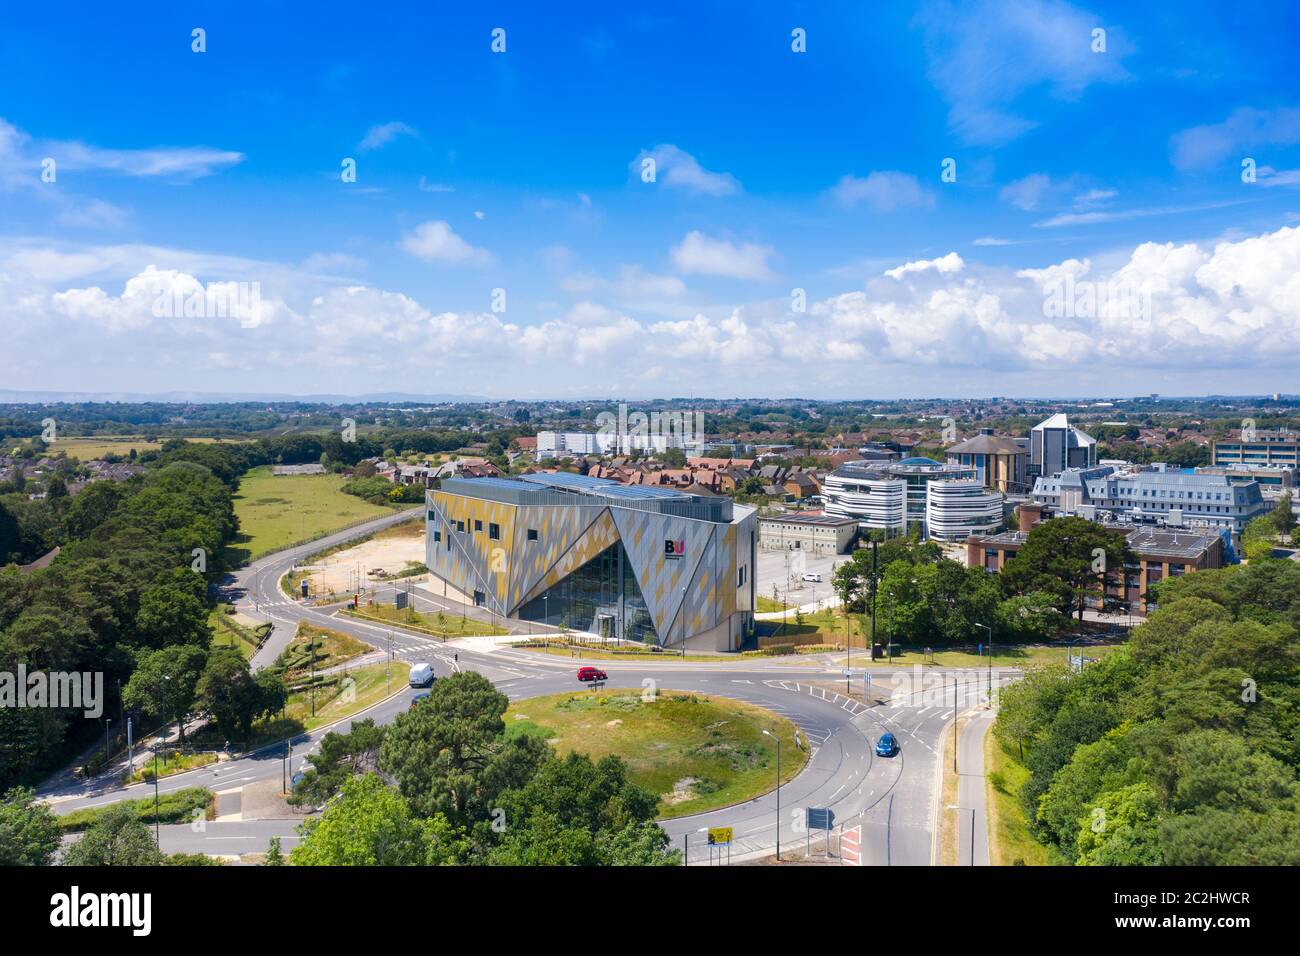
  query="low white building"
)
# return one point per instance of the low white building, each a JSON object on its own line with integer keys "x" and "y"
{"x": 814, "y": 534}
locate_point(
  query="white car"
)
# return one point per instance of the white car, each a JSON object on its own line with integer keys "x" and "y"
{"x": 421, "y": 675}
{"x": 813, "y": 576}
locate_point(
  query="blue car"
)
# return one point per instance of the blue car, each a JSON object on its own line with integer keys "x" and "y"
{"x": 886, "y": 746}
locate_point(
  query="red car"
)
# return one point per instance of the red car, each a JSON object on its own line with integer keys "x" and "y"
{"x": 590, "y": 673}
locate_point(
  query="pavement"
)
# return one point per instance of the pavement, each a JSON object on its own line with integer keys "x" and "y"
{"x": 893, "y": 798}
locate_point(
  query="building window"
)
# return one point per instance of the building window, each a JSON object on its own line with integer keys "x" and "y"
{"x": 460, "y": 526}
{"x": 532, "y": 534}
{"x": 478, "y": 525}
{"x": 437, "y": 536}
{"x": 740, "y": 577}
{"x": 494, "y": 532}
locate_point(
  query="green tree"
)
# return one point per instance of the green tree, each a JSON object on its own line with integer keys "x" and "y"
{"x": 1069, "y": 558}
{"x": 449, "y": 755}
{"x": 231, "y": 694}
{"x": 117, "y": 838}
{"x": 29, "y": 831}
{"x": 273, "y": 855}
{"x": 370, "y": 824}
{"x": 164, "y": 683}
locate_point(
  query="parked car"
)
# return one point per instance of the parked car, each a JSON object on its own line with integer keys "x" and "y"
{"x": 887, "y": 746}
{"x": 591, "y": 673}
{"x": 417, "y": 698}
{"x": 421, "y": 675}
{"x": 813, "y": 576}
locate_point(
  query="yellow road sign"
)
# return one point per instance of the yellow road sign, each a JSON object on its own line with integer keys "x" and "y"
{"x": 719, "y": 836}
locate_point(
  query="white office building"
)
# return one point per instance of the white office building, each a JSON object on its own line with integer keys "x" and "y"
{"x": 893, "y": 496}
{"x": 1153, "y": 495}
{"x": 955, "y": 510}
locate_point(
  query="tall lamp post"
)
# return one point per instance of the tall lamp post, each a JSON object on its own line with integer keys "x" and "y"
{"x": 778, "y": 793}
{"x": 990, "y": 630}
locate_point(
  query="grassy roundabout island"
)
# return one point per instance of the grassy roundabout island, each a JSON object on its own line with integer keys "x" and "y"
{"x": 697, "y": 752}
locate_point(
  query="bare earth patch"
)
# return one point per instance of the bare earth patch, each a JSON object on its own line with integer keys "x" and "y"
{"x": 338, "y": 572}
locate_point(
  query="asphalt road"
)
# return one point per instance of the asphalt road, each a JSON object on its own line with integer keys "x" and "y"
{"x": 893, "y": 798}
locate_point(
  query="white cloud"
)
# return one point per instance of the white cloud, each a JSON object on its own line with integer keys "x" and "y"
{"x": 1203, "y": 147}
{"x": 189, "y": 162}
{"x": 698, "y": 254}
{"x": 384, "y": 134}
{"x": 883, "y": 190}
{"x": 678, "y": 168}
{"x": 945, "y": 265}
{"x": 427, "y": 187}
{"x": 984, "y": 55}
{"x": 1026, "y": 193}
{"x": 438, "y": 242}
{"x": 1215, "y": 312}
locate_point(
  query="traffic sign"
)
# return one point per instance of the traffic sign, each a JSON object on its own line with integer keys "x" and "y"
{"x": 719, "y": 836}
{"x": 820, "y": 818}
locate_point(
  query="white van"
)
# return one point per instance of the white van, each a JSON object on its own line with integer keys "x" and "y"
{"x": 421, "y": 675}
{"x": 813, "y": 576}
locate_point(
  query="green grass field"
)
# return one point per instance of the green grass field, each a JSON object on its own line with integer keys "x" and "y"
{"x": 276, "y": 512}
{"x": 1010, "y": 842}
{"x": 696, "y": 752}
{"x": 89, "y": 449}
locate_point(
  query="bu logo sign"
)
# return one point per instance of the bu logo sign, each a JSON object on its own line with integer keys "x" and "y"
{"x": 674, "y": 549}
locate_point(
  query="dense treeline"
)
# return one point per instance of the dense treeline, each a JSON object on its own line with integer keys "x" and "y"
{"x": 1182, "y": 747}
{"x": 125, "y": 584}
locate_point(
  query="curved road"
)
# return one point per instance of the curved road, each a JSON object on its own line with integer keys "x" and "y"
{"x": 892, "y": 798}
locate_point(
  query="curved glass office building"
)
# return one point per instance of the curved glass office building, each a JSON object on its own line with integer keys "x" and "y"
{"x": 893, "y": 495}
{"x": 627, "y": 562}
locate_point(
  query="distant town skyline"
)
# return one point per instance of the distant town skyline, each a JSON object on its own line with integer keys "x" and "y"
{"x": 1030, "y": 198}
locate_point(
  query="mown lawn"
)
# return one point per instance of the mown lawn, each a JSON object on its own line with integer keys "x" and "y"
{"x": 695, "y": 752}
{"x": 445, "y": 625}
{"x": 276, "y": 512}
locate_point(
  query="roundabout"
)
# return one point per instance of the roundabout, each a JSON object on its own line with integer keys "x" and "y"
{"x": 892, "y": 799}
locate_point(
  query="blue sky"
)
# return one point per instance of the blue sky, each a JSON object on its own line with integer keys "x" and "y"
{"x": 776, "y": 170}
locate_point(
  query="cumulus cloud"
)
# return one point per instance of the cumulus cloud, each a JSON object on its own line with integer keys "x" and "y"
{"x": 679, "y": 169}
{"x": 945, "y": 264}
{"x": 1233, "y": 307}
{"x": 437, "y": 242}
{"x": 698, "y": 254}
{"x": 883, "y": 191}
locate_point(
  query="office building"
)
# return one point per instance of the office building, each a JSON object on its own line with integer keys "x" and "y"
{"x": 1055, "y": 446}
{"x": 1278, "y": 447}
{"x": 892, "y": 496}
{"x": 955, "y": 510}
{"x": 1154, "y": 495}
{"x": 1001, "y": 463}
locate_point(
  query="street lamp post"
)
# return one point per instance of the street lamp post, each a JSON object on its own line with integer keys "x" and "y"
{"x": 990, "y": 630}
{"x": 778, "y": 793}
{"x": 108, "y": 723}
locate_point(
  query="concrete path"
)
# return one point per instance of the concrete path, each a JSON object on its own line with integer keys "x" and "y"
{"x": 971, "y": 792}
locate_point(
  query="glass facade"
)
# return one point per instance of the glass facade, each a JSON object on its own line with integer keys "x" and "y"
{"x": 601, "y": 597}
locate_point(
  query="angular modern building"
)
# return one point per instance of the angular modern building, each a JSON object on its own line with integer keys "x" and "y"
{"x": 1055, "y": 445}
{"x": 637, "y": 563}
